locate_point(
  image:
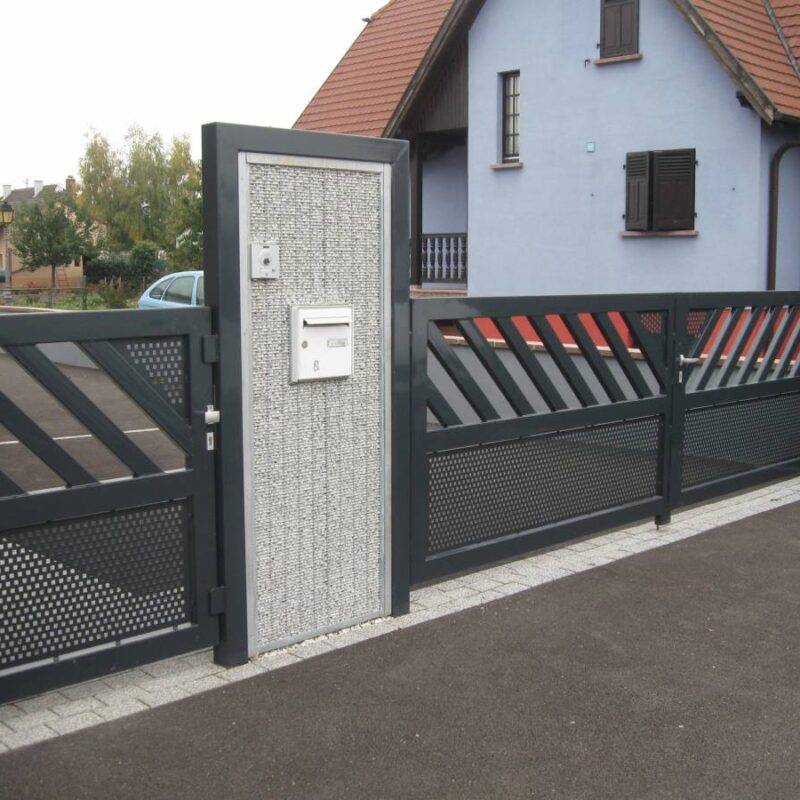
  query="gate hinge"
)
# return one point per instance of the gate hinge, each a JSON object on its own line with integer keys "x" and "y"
{"x": 216, "y": 601}
{"x": 211, "y": 348}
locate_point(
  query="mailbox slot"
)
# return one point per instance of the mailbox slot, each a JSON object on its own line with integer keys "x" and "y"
{"x": 321, "y": 343}
{"x": 324, "y": 321}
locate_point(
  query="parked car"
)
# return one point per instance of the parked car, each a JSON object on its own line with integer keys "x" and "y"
{"x": 177, "y": 289}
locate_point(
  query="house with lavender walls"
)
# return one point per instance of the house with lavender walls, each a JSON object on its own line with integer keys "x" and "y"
{"x": 600, "y": 146}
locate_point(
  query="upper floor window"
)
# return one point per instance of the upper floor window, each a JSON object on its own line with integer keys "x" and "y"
{"x": 510, "y": 132}
{"x": 619, "y": 28}
{"x": 660, "y": 190}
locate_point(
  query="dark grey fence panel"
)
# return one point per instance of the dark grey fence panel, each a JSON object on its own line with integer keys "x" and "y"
{"x": 107, "y": 542}
{"x": 738, "y": 422}
{"x": 535, "y": 419}
{"x": 538, "y": 419}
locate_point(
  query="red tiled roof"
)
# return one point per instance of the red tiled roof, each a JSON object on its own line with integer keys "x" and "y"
{"x": 749, "y": 33}
{"x": 364, "y": 90}
{"x": 788, "y": 13}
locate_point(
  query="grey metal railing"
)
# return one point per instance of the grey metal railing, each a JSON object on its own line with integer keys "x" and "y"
{"x": 444, "y": 258}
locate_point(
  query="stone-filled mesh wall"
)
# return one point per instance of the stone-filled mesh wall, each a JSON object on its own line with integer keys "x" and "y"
{"x": 317, "y": 449}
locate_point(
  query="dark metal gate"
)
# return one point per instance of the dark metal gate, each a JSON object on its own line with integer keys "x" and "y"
{"x": 535, "y": 420}
{"x": 737, "y": 415}
{"x": 108, "y": 554}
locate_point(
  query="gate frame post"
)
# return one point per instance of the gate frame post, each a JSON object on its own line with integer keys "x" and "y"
{"x": 672, "y": 464}
{"x": 222, "y": 144}
{"x": 418, "y": 430}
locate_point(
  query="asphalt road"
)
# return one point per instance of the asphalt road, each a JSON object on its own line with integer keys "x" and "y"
{"x": 670, "y": 674}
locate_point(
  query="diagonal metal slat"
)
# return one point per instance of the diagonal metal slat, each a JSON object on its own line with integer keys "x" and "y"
{"x": 563, "y": 360}
{"x": 648, "y": 345}
{"x": 742, "y": 338}
{"x": 79, "y": 405}
{"x": 710, "y": 364}
{"x": 786, "y": 359}
{"x": 495, "y": 367}
{"x": 8, "y": 487}
{"x": 141, "y": 392}
{"x": 764, "y": 334}
{"x": 795, "y": 370}
{"x": 440, "y": 408}
{"x": 528, "y": 361}
{"x": 623, "y": 356}
{"x": 705, "y": 333}
{"x": 595, "y": 360}
{"x": 454, "y": 367}
{"x": 42, "y": 445}
{"x": 774, "y": 348}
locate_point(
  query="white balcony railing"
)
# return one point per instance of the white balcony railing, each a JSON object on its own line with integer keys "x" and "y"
{"x": 444, "y": 258}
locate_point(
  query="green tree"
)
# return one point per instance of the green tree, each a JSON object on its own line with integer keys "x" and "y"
{"x": 147, "y": 191}
{"x": 107, "y": 268}
{"x": 102, "y": 189}
{"x": 50, "y": 233}
{"x": 145, "y": 262}
{"x": 186, "y": 222}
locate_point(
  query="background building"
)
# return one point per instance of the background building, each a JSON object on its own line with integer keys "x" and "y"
{"x": 13, "y": 273}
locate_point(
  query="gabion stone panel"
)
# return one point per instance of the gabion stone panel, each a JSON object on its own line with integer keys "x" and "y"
{"x": 725, "y": 440}
{"x": 317, "y": 448}
{"x": 70, "y": 585}
{"x": 162, "y": 361}
{"x": 481, "y": 493}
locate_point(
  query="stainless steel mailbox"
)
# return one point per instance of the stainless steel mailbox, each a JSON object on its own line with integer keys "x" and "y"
{"x": 321, "y": 343}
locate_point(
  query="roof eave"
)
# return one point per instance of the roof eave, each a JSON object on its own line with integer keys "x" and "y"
{"x": 458, "y": 15}
{"x": 755, "y": 95}
{"x": 788, "y": 119}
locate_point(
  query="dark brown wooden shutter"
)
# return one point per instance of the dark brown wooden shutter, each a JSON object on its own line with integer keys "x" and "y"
{"x": 673, "y": 190}
{"x": 637, "y": 194}
{"x": 619, "y": 28}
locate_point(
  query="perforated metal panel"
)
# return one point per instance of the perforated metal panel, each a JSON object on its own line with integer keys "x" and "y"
{"x": 730, "y": 439}
{"x": 695, "y": 320}
{"x": 70, "y": 585}
{"x": 654, "y": 322}
{"x": 163, "y": 362}
{"x": 480, "y": 493}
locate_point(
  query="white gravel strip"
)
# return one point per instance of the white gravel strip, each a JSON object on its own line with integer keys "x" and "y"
{"x": 81, "y": 706}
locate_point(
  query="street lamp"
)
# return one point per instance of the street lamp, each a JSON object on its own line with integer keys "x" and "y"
{"x": 6, "y": 218}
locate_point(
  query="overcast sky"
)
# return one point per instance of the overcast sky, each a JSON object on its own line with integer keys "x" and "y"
{"x": 166, "y": 65}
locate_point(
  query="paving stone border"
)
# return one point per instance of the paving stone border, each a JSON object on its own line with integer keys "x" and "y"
{"x": 83, "y": 705}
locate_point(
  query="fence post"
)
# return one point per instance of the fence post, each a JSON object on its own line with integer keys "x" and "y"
{"x": 418, "y": 460}
{"x": 673, "y": 421}
{"x": 340, "y": 434}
